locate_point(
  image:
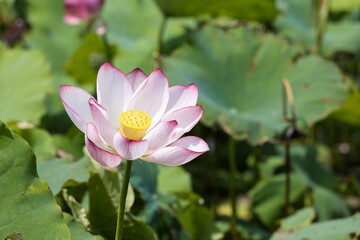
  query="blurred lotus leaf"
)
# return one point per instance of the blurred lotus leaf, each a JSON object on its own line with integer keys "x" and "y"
{"x": 330, "y": 230}
{"x": 55, "y": 39}
{"x": 350, "y": 111}
{"x": 260, "y": 10}
{"x": 296, "y": 23}
{"x": 344, "y": 5}
{"x": 329, "y": 204}
{"x": 300, "y": 219}
{"x": 87, "y": 60}
{"x": 239, "y": 72}
{"x": 197, "y": 220}
{"x": 24, "y": 84}
{"x": 268, "y": 197}
{"x": 135, "y": 35}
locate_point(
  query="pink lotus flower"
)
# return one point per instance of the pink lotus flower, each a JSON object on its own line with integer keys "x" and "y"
{"x": 77, "y": 11}
{"x": 136, "y": 117}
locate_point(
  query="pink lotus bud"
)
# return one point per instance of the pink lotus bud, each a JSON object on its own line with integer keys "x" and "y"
{"x": 100, "y": 27}
{"x": 77, "y": 11}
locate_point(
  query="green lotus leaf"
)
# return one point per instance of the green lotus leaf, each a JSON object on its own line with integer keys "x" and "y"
{"x": 72, "y": 143}
{"x": 245, "y": 10}
{"x": 135, "y": 229}
{"x": 295, "y": 222}
{"x": 133, "y": 27}
{"x": 328, "y": 204}
{"x": 239, "y": 73}
{"x": 296, "y": 23}
{"x": 180, "y": 183}
{"x": 198, "y": 221}
{"x": 57, "y": 171}
{"x": 56, "y": 40}
{"x": 330, "y": 230}
{"x": 176, "y": 31}
{"x": 350, "y": 111}
{"x": 40, "y": 141}
{"x": 87, "y": 60}
{"x": 268, "y": 196}
{"x": 104, "y": 194}
{"x": 305, "y": 160}
{"x": 144, "y": 178}
{"x": 25, "y": 81}
{"x": 344, "y": 5}
{"x": 300, "y": 219}
{"x": 77, "y": 230}
{"x": 28, "y": 207}
{"x": 78, "y": 212}
{"x": 268, "y": 168}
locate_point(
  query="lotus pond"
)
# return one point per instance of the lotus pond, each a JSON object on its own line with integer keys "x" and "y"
{"x": 179, "y": 120}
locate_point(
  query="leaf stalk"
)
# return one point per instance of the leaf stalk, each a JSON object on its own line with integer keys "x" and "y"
{"x": 232, "y": 187}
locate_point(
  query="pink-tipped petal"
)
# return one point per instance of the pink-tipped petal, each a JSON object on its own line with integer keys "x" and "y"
{"x": 182, "y": 96}
{"x": 186, "y": 118}
{"x": 160, "y": 135}
{"x": 105, "y": 128}
{"x": 180, "y": 152}
{"x": 93, "y": 135}
{"x": 152, "y": 96}
{"x": 103, "y": 110}
{"x": 102, "y": 156}
{"x": 129, "y": 149}
{"x": 136, "y": 77}
{"x": 192, "y": 143}
{"x": 75, "y": 101}
{"x": 114, "y": 91}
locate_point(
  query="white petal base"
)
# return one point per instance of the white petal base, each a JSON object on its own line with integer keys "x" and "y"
{"x": 129, "y": 149}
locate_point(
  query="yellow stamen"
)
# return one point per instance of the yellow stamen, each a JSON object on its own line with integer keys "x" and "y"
{"x": 134, "y": 123}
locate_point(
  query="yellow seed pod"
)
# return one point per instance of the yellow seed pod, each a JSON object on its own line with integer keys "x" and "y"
{"x": 134, "y": 123}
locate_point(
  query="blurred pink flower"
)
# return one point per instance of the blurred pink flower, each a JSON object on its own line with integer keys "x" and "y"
{"x": 100, "y": 27}
{"x": 136, "y": 116}
{"x": 77, "y": 11}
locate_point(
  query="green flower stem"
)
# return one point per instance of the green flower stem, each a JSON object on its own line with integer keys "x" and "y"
{"x": 232, "y": 187}
{"x": 157, "y": 52}
{"x": 89, "y": 26}
{"x": 320, "y": 13}
{"x": 288, "y": 178}
{"x": 123, "y": 193}
{"x": 107, "y": 47}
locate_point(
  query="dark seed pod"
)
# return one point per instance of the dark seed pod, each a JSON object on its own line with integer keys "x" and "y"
{"x": 13, "y": 33}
